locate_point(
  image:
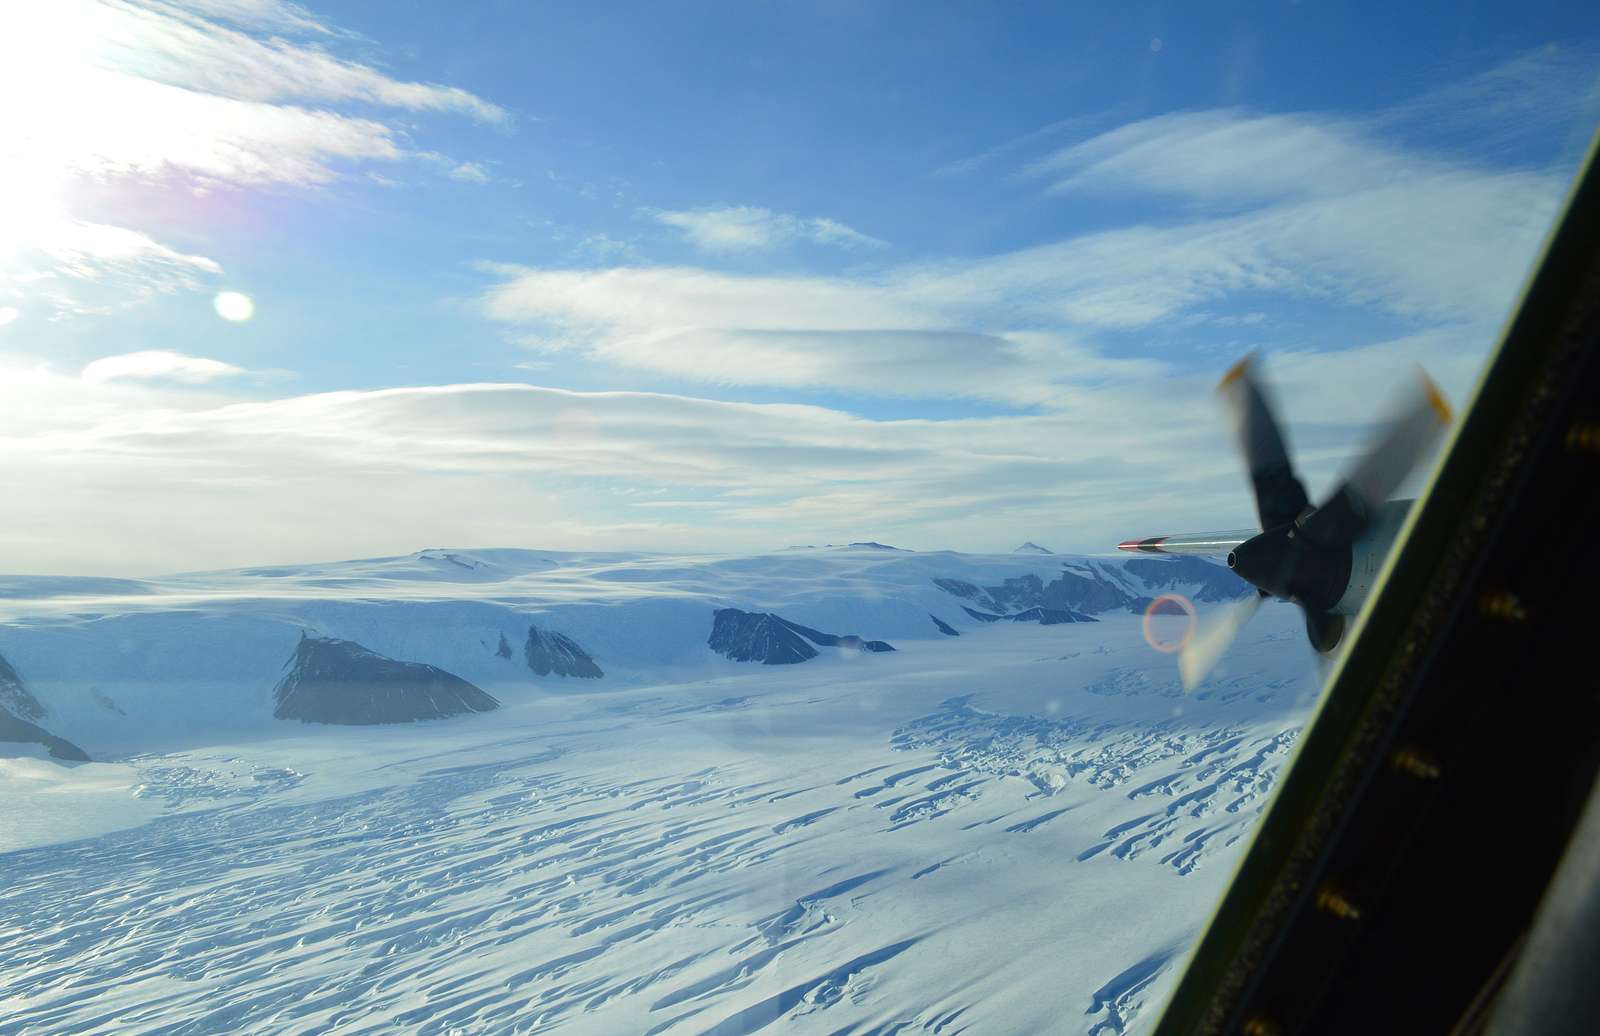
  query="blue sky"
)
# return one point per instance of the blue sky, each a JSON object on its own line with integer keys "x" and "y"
{"x": 742, "y": 275}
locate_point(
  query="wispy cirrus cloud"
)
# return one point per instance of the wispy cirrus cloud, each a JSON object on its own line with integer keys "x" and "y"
{"x": 188, "y": 44}
{"x": 1316, "y": 205}
{"x": 279, "y": 15}
{"x": 121, "y": 263}
{"x": 1268, "y": 210}
{"x": 1536, "y": 106}
{"x": 748, "y": 228}
{"x": 1229, "y": 155}
{"x": 177, "y": 96}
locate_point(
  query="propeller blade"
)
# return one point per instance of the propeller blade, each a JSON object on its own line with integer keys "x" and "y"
{"x": 1210, "y": 642}
{"x": 1419, "y": 420}
{"x": 1280, "y": 497}
{"x": 1324, "y": 630}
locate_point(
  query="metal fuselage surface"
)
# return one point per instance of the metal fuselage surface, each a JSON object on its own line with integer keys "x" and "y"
{"x": 1368, "y": 554}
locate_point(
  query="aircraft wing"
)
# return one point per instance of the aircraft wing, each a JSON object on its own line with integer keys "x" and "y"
{"x": 1190, "y": 542}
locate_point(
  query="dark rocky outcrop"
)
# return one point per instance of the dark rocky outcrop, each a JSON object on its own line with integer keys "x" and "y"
{"x": 504, "y": 650}
{"x": 14, "y": 696}
{"x": 1211, "y": 581}
{"x": 1031, "y": 547}
{"x": 339, "y": 681}
{"x": 13, "y": 730}
{"x": 944, "y": 627}
{"x": 961, "y": 588}
{"x": 1068, "y": 591}
{"x": 1086, "y": 594}
{"x": 849, "y": 640}
{"x": 19, "y": 708}
{"x": 1043, "y": 616}
{"x": 757, "y": 637}
{"x": 550, "y": 652}
{"x": 773, "y": 640}
{"x": 1050, "y": 616}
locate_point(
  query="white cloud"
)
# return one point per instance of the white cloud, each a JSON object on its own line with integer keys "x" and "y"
{"x": 602, "y": 247}
{"x": 176, "y": 42}
{"x": 746, "y": 228}
{"x": 826, "y": 231}
{"x": 157, "y": 477}
{"x": 677, "y": 297}
{"x": 261, "y": 14}
{"x": 1315, "y": 206}
{"x": 868, "y": 337}
{"x": 150, "y": 131}
{"x": 1228, "y": 155}
{"x": 148, "y": 90}
{"x": 80, "y": 267}
{"x": 83, "y": 249}
{"x": 1299, "y": 209}
{"x": 156, "y": 95}
{"x": 1514, "y": 109}
{"x": 1076, "y": 125}
{"x": 469, "y": 172}
{"x": 158, "y": 364}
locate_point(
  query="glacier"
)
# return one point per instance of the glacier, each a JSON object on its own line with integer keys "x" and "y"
{"x": 1019, "y": 828}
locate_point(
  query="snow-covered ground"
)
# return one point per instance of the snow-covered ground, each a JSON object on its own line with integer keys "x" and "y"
{"x": 1020, "y": 829}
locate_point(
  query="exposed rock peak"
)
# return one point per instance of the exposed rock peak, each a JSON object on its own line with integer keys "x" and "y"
{"x": 1031, "y": 547}
{"x": 550, "y": 652}
{"x": 773, "y": 640}
{"x": 1088, "y": 591}
{"x": 1209, "y": 580}
{"x": 14, "y": 695}
{"x": 757, "y": 637}
{"x": 449, "y": 557}
{"x": 339, "y": 681}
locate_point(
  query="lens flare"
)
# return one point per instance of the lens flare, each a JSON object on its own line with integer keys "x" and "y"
{"x": 234, "y": 306}
{"x": 1165, "y": 606}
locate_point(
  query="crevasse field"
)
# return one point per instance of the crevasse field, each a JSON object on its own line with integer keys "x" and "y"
{"x": 1018, "y": 829}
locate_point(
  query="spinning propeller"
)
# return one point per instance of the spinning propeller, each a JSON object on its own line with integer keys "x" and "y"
{"x": 1320, "y": 557}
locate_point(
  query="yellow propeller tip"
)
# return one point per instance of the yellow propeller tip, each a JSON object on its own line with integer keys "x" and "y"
{"x": 1441, "y": 406}
{"x": 1235, "y": 372}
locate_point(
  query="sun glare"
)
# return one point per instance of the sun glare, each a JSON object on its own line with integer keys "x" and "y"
{"x": 44, "y": 54}
{"x": 234, "y": 306}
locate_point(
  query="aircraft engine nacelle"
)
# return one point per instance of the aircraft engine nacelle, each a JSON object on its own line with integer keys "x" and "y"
{"x": 1331, "y": 579}
{"x": 1368, "y": 554}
